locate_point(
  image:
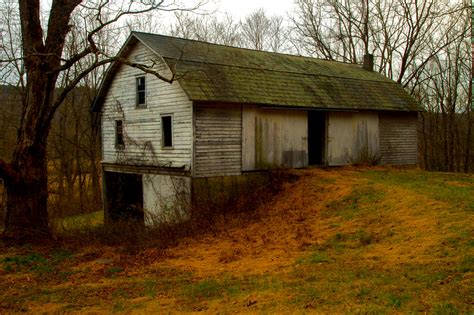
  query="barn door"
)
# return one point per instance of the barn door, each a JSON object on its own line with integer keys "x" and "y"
{"x": 124, "y": 197}
{"x": 316, "y": 137}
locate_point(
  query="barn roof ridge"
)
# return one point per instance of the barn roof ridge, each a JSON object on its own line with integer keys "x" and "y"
{"x": 200, "y": 51}
{"x": 244, "y": 48}
{"x": 226, "y": 74}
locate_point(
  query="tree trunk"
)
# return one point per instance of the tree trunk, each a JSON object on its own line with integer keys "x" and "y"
{"x": 450, "y": 136}
{"x": 445, "y": 140}
{"x": 425, "y": 143}
{"x": 27, "y": 198}
{"x": 27, "y": 183}
{"x": 95, "y": 170}
{"x": 469, "y": 143}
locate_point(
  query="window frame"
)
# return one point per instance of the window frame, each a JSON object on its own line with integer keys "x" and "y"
{"x": 163, "y": 131}
{"x": 119, "y": 134}
{"x": 137, "y": 91}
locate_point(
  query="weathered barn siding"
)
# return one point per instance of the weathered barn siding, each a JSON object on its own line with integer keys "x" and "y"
{"x": 166, "y": 198}
{"x": 398, "y": 138}
{"x": 352, "y": 137}
{"x": 273, "y": 138}
{"x": 218, "y": 140}
{"x": 142, "y": 126}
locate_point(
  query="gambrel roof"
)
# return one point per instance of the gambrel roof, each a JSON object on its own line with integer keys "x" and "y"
{"x": 217, "y": 73}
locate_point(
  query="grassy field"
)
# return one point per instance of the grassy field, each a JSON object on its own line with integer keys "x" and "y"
{"x": 335, "y": 241}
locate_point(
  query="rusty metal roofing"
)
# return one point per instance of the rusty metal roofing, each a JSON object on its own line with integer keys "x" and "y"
{"x": 217, "y": 73}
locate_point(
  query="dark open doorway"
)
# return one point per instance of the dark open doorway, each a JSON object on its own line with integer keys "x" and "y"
{"x": 124, "y": 196}
{"x": 316, "y": 137}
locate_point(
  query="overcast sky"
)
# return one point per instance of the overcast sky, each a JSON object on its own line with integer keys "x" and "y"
{"x": 241, "y": 8}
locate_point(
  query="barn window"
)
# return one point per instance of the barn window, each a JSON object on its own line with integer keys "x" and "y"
{"x": 167, "y": 131}
{"x": 119, "y": 143}
{"x": 141, "y": 90}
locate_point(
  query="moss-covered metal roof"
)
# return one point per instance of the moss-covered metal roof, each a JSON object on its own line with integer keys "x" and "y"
{"x": 210, "y": 72}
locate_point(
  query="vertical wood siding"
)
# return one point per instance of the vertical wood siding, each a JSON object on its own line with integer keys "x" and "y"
{"x": 218, "y": 140}
{"x": 352, "y": 138}
{"x": 398, "y": 138}
{"x": 274, "y": 138}
{"x": 142, "y": 126}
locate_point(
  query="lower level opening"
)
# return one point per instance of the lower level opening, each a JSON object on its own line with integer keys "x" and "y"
{"x": 124, "y": 196}
{"x": 316, "y": 137}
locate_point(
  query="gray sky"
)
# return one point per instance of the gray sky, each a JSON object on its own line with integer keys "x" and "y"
{"x": 241, "y": 8}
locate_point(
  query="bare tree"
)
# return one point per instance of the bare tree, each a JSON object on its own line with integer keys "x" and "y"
{"x": 210, "y": 28}
{"x": 45, "y": 62}
{"x": 327, "y": 29}
{"x": 257, "y": 30}
{"x": 262, "y": 32}
{"x": 403, "y": 35}
{"x": 446, "y": 85}
{"x": 147, "y": 22}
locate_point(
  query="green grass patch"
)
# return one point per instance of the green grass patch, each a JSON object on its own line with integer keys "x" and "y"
{"x": 113, "y": 271}
{"x": 150, "y": 287}
{"x": 466, "y": 264}
{"x": 400, "y": 289}
{"x": 34, "y": 262}
{"x": 205, "y": 289}
{"x": 60, "y": 255}
{"x": 317, "y": 258}
{"x": 457, "y": 189}
{"x": 314, "y": 258}
{"x": 52, "y": 266}
{"x": 81, "y": 221}
{"x": 445, "y": 309}
{"x": 362, "y": 199}
{"x": 396, "y": 300}
{"x": 364, "y": 238}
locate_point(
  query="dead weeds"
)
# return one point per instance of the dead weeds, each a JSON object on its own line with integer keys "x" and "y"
{"x": 335, "y": 240}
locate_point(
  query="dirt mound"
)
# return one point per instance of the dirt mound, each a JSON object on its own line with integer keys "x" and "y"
{"x": 287, "y": 226}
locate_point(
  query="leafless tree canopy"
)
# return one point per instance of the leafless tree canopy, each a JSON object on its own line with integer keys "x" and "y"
{"x": 257, "y": 31}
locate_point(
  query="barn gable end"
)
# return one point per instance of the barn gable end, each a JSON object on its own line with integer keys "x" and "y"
{"x": 142, "y": 129}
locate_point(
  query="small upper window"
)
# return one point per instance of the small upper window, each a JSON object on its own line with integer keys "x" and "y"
{"x": 141, "y": 91}
{"x": 167, "y": 131}
{"x": 119, "y": 133}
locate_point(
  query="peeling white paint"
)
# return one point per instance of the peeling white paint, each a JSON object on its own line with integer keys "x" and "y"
{"x": 166, "y": 198}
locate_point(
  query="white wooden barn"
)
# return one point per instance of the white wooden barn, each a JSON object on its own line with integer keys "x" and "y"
{"x": 234, "y": 111}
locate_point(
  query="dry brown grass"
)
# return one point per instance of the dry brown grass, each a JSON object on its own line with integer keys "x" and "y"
{"x": 351, "y": 240}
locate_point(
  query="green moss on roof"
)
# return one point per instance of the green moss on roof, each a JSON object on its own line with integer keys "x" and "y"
{"x": 220, "y": 73}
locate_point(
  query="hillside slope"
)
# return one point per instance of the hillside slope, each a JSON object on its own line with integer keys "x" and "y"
{"x": 374, "y": 240}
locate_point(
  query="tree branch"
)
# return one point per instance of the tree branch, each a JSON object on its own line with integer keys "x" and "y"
{"x": 147, "y": 69}
{"x": 58, "y": 24}
{"x": 92, "y": 46}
